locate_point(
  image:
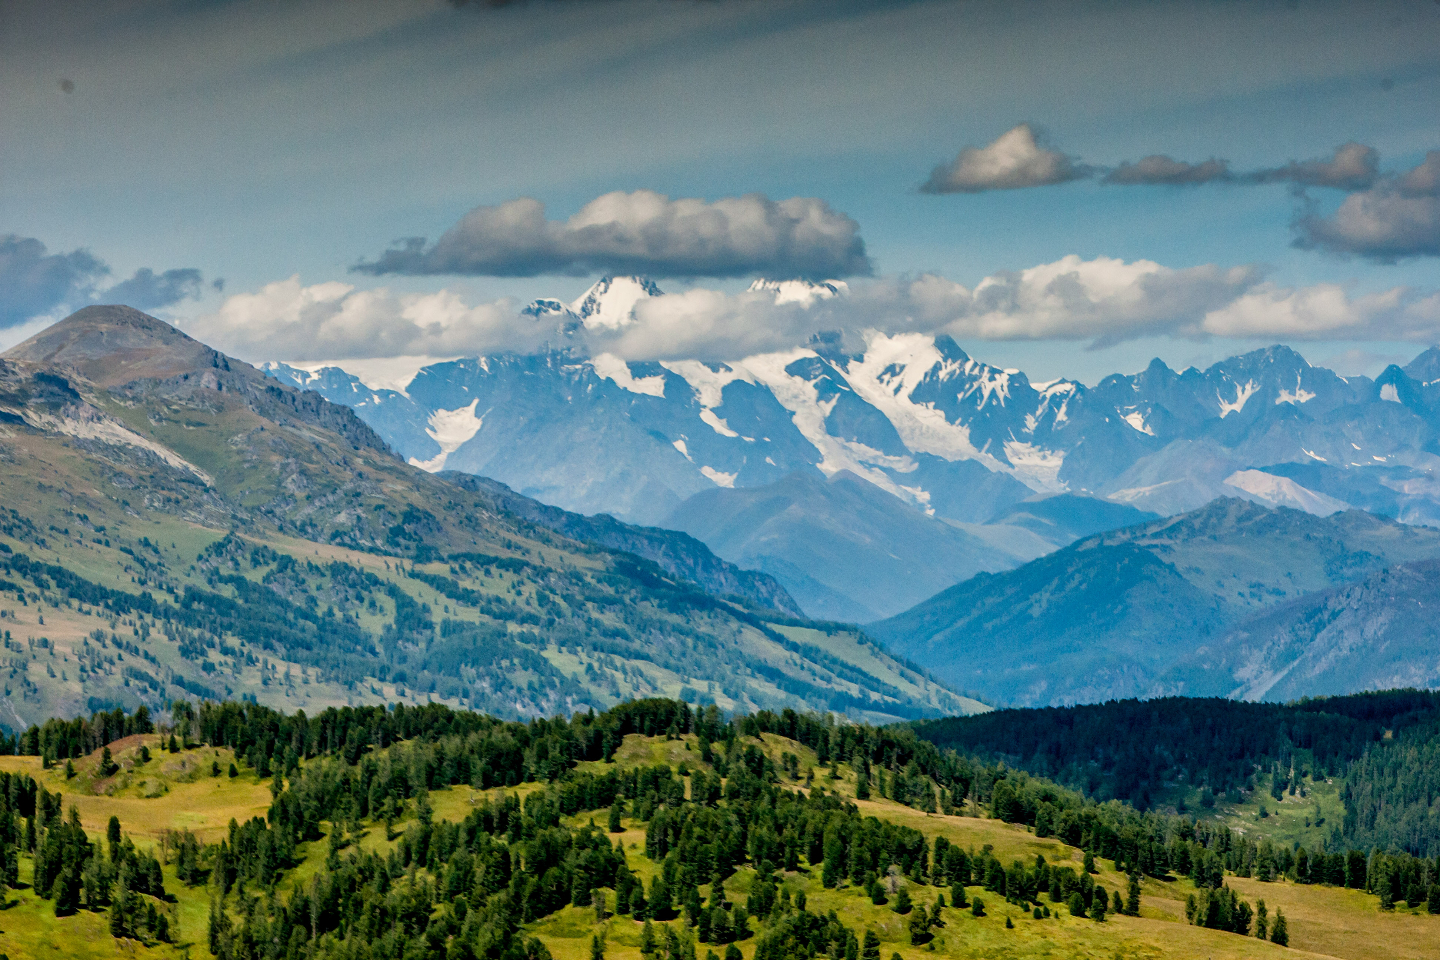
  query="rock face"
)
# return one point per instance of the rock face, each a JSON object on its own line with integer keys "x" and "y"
{"x": 1122, "y": 614}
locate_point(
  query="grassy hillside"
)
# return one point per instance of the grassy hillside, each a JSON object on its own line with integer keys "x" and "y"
{"x": 1114, "y": 614}
{"x": 176, "y": 525}
{"x": 173, "y": 792}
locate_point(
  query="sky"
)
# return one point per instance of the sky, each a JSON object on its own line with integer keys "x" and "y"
{"x": 1066, "y": 188}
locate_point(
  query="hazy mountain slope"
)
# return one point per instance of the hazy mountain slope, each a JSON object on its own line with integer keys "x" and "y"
{"x": 676, "y": 553}
{"x": 1379, "y": 633}
{"x": 847, "y": 535}
{"x": 208, "y": 531}
{"x": 1065, "y": 518}
{"x": 1109, "y": 615}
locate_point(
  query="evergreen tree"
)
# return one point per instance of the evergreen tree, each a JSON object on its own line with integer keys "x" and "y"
{"x": 1280, "y": 932}
{"x": 1132, "y": 896}
{"x": 1262, "y": 920}
{"x": 902, "y": 901}
{"x": 617, "y": 810}
{"x": 597, "y": 948}
{"x": 871, "y": 948}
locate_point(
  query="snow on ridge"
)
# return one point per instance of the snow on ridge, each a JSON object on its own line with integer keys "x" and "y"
{"x": 1036, "y": 467}
{"x": 1298, "y": 396}
{"x": 1284, "y": 492}
{"x": 1136, "y": 419}
{"x": 718, "y": 478}
{"x": 610, "y": 303}
{"x": 709, "y": 386}
{"x": 800, "y": 291}
{"x": 989, "y": 381}
{"x": 1242, "y": 394}
{"x": 610, "y": 367}
{"x": 377, "y": 373}
{"x": 888, "y": 374}
{"x": 808, "y": 413}
{"x": 451, "y": 429}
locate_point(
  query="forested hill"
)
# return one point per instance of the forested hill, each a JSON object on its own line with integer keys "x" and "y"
{"x": 174, "y": 524}
{"x": 651, "y": 831}
{"x": 1379, "y": 751}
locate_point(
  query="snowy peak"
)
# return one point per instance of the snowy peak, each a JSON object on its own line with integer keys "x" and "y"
{"x": 803, "y": 292}
{"x": 610, "y": 303}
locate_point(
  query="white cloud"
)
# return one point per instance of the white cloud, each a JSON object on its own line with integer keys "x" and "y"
{"x": 1327, "y": 311}
{"x": 643, "y": 232}
{"x": 1014, "y": 160}
{"x": 335, "y": 321}
{"x": 1100, "y": 302}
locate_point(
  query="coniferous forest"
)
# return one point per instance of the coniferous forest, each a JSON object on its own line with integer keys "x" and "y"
{"x": 775, "y": 835}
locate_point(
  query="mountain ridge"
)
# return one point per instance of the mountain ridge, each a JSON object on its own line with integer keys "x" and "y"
{"x": 197, "y": 529}
{"x": 1112, "y": 615}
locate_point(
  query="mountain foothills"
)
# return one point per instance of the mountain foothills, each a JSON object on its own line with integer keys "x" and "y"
{"x": 653, "y": 831}
{"x": 953, "y": 438}
{"x": 175, "y": 524}
{"x": 1121, "y": 614}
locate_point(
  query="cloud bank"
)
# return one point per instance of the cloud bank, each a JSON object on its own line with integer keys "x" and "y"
{"x": 1015, "y": 160}
{"x": 1353, "y": 167}
{"x": 1098, "y": 302}
{"x": 641, "y": 233}
{"x": 1160, "y": 170}
{"x": 1397, "y": 217}
{"x": 37, "y": 283}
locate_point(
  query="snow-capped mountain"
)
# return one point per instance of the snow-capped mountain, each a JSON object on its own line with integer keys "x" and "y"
{"x": 915, "y": 415}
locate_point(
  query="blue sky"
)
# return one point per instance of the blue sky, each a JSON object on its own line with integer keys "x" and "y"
{"x": 258, "y": 141}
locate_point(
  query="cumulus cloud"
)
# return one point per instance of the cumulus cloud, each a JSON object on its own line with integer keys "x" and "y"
{"x": 37, "y": 283}
{"x": 1158, "y": 169}
{"x": 1353, "y": 167}
{"x": 641, "y": 233}
{"x": 1397, "y": 217}
{"x": 327, "y": 321}
{"x": 1327, "y": 311}
{"x": 1014, "y": 160}
{"x": 1099, "y": 302}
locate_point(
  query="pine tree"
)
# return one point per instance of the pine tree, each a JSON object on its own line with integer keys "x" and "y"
{"x": 597, "y": 948}
{"x": 1262, "y": 920}
{"x": 1132, "y": 896}
{"x": 647, "y": 939}
{"x": 871, "y": 948}
{"x": 112, "y": 837}
{"x": 957, "y": 896}
{"x": 1280, "y": 933}
{"x": 902, "y": 901}
{"x": 118, "y": 928}
{"x": 617, "y": 810}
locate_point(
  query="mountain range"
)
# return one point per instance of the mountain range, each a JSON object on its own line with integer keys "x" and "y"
{"x": 699, "y": 445}
{"x": 1226, "y": 600}
{"x": 176, "y": 524}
